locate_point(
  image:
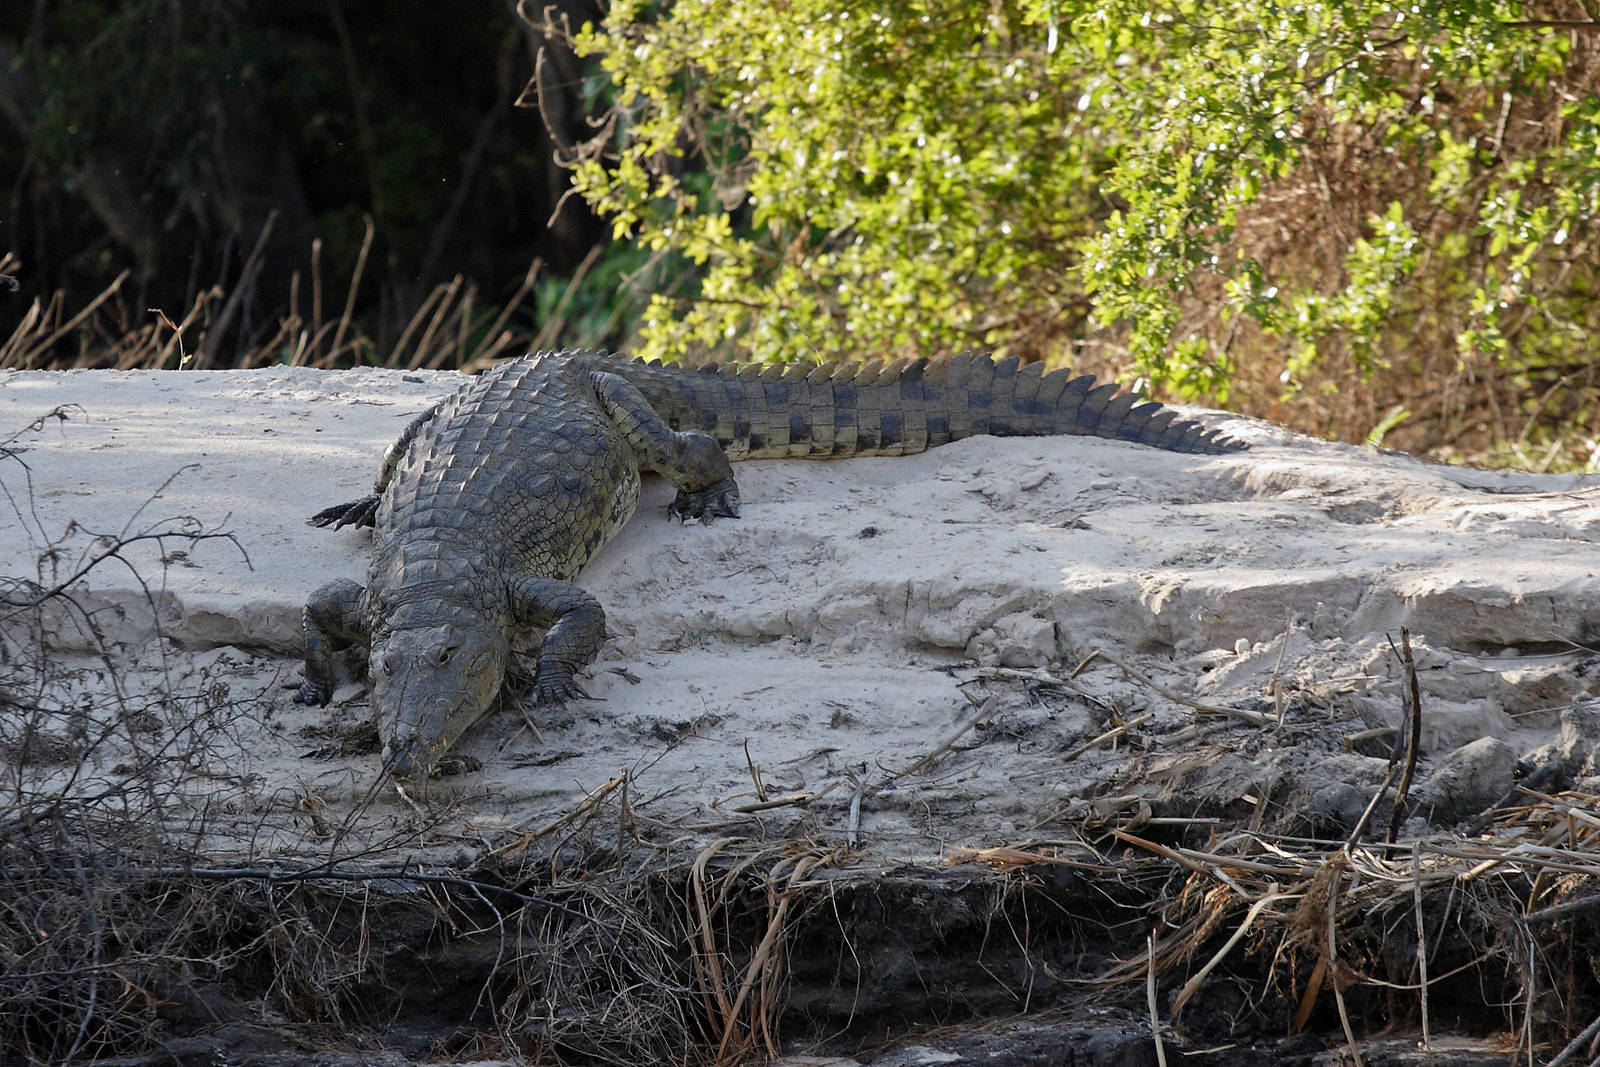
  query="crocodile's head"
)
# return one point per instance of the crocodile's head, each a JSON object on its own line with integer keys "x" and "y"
{"x": 431, "y": 682}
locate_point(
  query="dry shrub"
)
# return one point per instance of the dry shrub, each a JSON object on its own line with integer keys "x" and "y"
{"x": 101, "y": 931}
{"x": 90, "y": 956}
{"x": 675, "y": 959}
{"x": 1468, "y": 934}
{"x": 115, "y": 776}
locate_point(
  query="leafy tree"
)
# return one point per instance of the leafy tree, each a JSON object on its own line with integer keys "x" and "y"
{"x": 1320, "y": 211}
{"x": 857, "y": 176}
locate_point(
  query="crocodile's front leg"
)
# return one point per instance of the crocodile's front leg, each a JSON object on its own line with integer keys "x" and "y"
{"x": 575, "y": 627}
{"x": 333, "y": 622}
{"x": 689, "y": 459}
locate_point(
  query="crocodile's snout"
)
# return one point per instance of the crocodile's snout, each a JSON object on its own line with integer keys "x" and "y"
{"x": 408, "y": 761}
{"x": 419, "y": 734}
{"x": 429, "y": 685}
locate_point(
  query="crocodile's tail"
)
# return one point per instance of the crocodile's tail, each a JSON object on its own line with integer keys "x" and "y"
{"x": 877, "y": 409}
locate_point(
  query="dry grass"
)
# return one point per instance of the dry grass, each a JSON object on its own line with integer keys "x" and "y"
{"x": 602, "y": 965}
{"x": 452, "y": 328}
{"x": 1375, "y": 935}
{"x": 1479, "y": 927}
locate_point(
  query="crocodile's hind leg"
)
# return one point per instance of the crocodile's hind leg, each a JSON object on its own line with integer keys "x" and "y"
{"x": 332, "y": 623}
{"x": 363, "y": 512}
{"x": 575, "y": 627}
{"x": 689, "y": 459}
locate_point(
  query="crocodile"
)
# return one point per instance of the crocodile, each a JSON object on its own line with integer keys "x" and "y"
{"x": 492, "y": 501}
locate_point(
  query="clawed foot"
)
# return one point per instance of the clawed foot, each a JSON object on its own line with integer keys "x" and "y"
{"x": 557, "y": 689}
{"x": 354, "y": 513}
{"x": 543, "y": 688}
{"x": 314, "y": 694}
{"x": 455, "y": 766}
{"x": 719, "y": 500}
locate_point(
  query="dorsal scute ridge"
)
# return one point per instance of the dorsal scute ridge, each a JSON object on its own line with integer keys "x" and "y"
{"x": 867, "y": 373}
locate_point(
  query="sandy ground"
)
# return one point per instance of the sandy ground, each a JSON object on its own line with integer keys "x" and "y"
{"x": 875, "y": 652}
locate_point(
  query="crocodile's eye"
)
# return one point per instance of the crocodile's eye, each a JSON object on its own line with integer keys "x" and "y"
{"x": 385, "y": 664}
{"x": 443, "y": 657}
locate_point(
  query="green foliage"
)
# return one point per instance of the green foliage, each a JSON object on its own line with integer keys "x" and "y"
{"x": 1395, "y": 416}
{"x": 1218, "y": 196}
{"x": 1242, "y": 90}
{"x": 849, "y": 176}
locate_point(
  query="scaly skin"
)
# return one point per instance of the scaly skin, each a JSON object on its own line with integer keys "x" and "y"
{"x": 491, "y": 502}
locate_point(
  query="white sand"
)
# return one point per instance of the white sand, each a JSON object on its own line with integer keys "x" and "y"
{"x": 829, "y": 631}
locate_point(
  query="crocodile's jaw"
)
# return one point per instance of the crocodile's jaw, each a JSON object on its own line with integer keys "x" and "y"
{"x": 429, "y": 684}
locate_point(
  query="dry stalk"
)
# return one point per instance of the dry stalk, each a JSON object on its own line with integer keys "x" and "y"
{"x": 547, "y": 334}
{"x": 1192, "y": 986}
{"x": 495, "y": 339}
{"x": 1150, "y": 999}
{"x": 355, "y": 283}
{"x": 446, "y": 296}
{"x": 206, "y": 356}
{"x": 438, "y": 296}
{"x": 1252, "y": 718}
{"x": 788, "y": 800}
{"x": 1348, "y": 898}
{"x": 444, "y": 330}
{"x": 1422, "y": 944}
{"x": 742, "y": 1018}
{"x": 1584, "y": 1040}
{"x": 1004, "y": 857}
{"x": 26, "y": 346}
{"x": 597, "y": 977}
{"x": 1109, "y": 735}
{"x": 1413, "y": 738}
{"x": 707, "y": 958}
{"x": 1335, "y": 966}
{"x": 566, "y": 819}
{"x": 1049, "y": 680}
{"x": 928, "y": 760}
{"x": 762, "y": 973}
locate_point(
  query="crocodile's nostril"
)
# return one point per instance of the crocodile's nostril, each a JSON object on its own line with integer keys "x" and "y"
{"x": 403, "y": 761}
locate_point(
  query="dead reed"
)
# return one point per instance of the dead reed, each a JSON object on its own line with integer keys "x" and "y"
{"x": 453, "y": 326}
